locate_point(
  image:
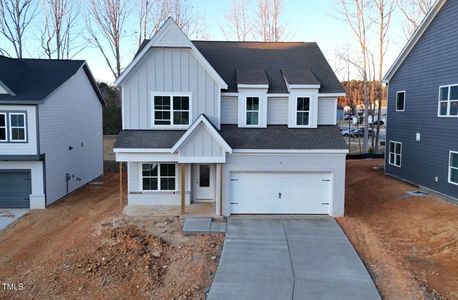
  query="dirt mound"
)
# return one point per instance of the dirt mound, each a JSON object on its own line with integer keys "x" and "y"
{"x": 127, "y": 253}
{"x": 127, "y": 258}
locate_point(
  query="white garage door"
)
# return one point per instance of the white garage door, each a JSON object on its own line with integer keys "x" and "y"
{"x": 281, "y": 193}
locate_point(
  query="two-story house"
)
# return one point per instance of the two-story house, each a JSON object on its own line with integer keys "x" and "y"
{"x": 422, "y": 139}
{"x": 250, "y": 126}
{"x": 51, "y": 140}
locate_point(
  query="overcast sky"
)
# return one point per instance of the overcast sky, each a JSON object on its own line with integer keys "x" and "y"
{"x": 305, "y": 20}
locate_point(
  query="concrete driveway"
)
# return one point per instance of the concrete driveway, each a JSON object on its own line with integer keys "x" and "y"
{"x": 289, "y": 258}
{"x": 10, "y": 215}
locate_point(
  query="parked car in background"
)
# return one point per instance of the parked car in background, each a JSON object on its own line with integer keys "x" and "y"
{"x": 360, "y": 132}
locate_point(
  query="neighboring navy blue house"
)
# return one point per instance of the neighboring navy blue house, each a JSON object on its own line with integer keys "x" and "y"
{"x": 422, "y": 127}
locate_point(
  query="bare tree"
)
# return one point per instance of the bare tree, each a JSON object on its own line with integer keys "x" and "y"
{"x": 57, "y": 38}
{"x": 238, "y": 21}
{"x": 15, "y": 17}
{"x": 269, "y": 28}
{"x": 105, "y": 26}
{"x": 151, "y": 15}
{"x": 385, "y": 9}
{"x": 414, "y": 12}
{"x": 355, "y": 13}
{"x": 190, "y": 21}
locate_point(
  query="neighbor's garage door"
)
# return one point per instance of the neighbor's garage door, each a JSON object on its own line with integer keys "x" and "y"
{"x": 15, "y": 189}
{"x": 281, "y": 193}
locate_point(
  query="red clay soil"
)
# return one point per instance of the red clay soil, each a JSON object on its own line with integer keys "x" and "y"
{"x": 409, "y": 244}
{"x": 82, "y": 248}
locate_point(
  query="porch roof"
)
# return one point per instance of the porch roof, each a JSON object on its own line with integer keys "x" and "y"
{"x": 273, "y": 137}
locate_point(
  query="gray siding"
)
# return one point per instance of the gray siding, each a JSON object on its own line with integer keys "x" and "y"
{"x": 71, "y": 117}
{"x": 229, "y": 110}
{"x": 277, "y": 111}
{"x": 168, "y": 70}
{"x": 432, "y": 62}
{"x": 20, "y": 148}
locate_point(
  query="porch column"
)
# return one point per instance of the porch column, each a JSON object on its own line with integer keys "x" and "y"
{"x": 221, "y": 189}
{"x": 120, "y": 186}
{"x": 182, "y": 191}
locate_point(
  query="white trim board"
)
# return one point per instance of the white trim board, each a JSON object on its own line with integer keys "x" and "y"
{"x": 177, "y": 39}
{"x": 291, "y": 151}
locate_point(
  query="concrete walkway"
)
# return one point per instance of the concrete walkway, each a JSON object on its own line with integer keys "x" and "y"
{"x": 10, "y": 215}
{"x": 289, "y": 258}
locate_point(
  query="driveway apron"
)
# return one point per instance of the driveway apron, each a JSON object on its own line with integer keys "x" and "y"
{"x": 289, "y": 258}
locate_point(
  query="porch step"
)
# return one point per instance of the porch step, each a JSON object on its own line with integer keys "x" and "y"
{"x": 195, "y": 225}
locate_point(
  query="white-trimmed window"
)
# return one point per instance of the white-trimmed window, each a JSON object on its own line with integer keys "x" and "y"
{"x": 17, "y": 122}
{"x": 453, "y": 168}
{"x": 395, "y": 154}
{"x": 401, "y": 101}
{"x": 158, "y": 177}
{"x": 252, "y": 111}
{"x": 171, "y": 110}
{"x": 302, "y": 111}
{"x": 448, "y": 101}
{"x": 3, "y": 127}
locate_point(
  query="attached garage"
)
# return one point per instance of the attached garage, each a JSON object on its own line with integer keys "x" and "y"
{"x": 281, "y": 192}
{"x": 15, "y": 188}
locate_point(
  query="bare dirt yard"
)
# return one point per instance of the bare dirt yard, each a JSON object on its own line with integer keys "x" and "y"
{"x": 83, "y": 248}
{"x": 409, "y": 244}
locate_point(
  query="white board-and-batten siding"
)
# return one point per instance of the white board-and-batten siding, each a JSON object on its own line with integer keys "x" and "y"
{"x": 174, "y": 70}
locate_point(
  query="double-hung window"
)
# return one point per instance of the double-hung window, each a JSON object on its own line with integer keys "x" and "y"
{"x": 400, "y": 101}
{"x": 3, "y": 128}
{"x": 17, "y": 127}
{"x": 252, "y": 111}
{"x": 395, "y": 154}
{"x": 453, "y": 168}
{"x": 303, "y": 111}
{"x": 158, "y": 177}
{"x": 448, "y": 101}
{"x": 171, "y": 110}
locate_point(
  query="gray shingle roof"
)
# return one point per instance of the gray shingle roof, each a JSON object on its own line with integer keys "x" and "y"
{"x": 32, "y": 80}
{"x": 251, "y": 76}
{"x": 300, "y": 76}
{"x": 302, "y": 62}
{"x": 274, "y": 59}
{"x": 273, "y": 137}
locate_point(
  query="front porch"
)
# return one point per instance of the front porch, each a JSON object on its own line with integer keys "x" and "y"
{"x": 196, "y": 209}
{"x": 182, "y": 173}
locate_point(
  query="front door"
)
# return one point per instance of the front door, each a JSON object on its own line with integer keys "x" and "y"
{"x": 204, "y": 182}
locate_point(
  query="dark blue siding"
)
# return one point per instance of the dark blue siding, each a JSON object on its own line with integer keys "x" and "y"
{"x": 431, "y": 63}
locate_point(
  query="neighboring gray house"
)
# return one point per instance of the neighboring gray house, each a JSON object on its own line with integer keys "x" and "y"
{"x": 51, "y": 140}
{"x": 422, "y": 138}
{"x": 249, "y": 126}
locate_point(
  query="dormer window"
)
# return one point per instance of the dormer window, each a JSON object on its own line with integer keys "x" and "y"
{"x": 171, "y": 109}
{"x": 252, "y": 111}
{"x": 303, "y": 111}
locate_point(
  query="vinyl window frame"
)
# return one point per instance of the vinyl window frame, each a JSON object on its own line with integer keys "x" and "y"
{"x": 159, "y": 177}
{"x": 393, "y": 163}
{"x": 5, "y": 114}
{"x": 450, "y": 167}
{"x": 11, "y": 127}
{"x": 171, "y": 125}
{"x": 448, "y": 101}
{"x": 258, "y": 111}
{"x": 296, "y": 98}
{"x": 404, "y": 102}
